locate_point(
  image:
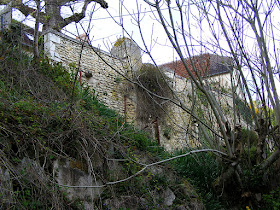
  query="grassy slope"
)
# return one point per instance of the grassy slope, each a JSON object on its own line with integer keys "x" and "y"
{"x": 44, "y": 117}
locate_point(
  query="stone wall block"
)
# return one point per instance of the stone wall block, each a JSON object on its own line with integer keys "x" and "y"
{"x": 67, "y": 175}
{"x": 125, "y": 57}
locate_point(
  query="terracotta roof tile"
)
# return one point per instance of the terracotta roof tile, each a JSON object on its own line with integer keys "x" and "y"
{"x": 206, "y": 65}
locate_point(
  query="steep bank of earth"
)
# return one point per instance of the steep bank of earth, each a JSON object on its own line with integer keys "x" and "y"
{"x": 61, "y": 148}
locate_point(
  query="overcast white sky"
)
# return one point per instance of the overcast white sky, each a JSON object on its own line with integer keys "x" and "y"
{"x": 104, "y": 30}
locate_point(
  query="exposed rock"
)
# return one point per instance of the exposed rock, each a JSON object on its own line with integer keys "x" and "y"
{"x": 258, "y": 197}
{"x": 27, "y": 168}
{"x": 32, "y": 170}
{"x": 196, "y": 204}
{"x": 168, "y": 197}
{"x": 5, "y": 187}
{"x": 66, "y": 175}
{"x": 181, "y": 208}
{"x": 97, "y": 161}
{"x": 156, "y": 170}
{"x": 124, "y": 202}
{"x": 115, "y": 170}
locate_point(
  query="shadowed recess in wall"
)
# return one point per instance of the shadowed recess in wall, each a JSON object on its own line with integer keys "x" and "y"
{"x": 149, "y": 106}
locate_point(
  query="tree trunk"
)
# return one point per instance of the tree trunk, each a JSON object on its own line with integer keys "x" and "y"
{"x": 52, "y": 18}
{"x": 36, "y": 33}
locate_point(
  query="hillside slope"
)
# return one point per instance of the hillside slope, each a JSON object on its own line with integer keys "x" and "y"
{"x": 60, "y": 148}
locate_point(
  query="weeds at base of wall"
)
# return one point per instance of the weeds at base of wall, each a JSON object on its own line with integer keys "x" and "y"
{"x": 39, "y": 123}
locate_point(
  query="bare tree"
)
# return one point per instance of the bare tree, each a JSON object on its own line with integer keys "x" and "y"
{"x": 245, "y": 31}
{"x": 51, "y": 17}
{"x": 49, "y": 14}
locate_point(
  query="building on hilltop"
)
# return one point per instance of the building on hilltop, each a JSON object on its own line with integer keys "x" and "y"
{"x": 206, "y": 65}
{"x": 106, "y": 74}
{"x": 216, "y": 72}
{"x": 83, "y": 37}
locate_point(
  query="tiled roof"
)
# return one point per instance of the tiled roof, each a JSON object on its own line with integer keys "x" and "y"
{"x": 206, "y": 65}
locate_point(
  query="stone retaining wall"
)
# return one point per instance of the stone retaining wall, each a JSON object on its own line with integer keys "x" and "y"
{"x": 105, "y": 81}
{"x": 108, "y": 70}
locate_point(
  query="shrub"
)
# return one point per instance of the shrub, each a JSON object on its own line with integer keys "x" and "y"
{"x": 201, "y": 170}
{"x": 149, "y": 106}
{"x": 272, "y": 200}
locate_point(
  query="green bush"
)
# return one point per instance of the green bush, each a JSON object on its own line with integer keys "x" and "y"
{"x": 201, "y": 170}
{"x": 149, "y": 106}
{"x": 59, "y": 74}
{"x": 272, "y": 200}
{"x": 45, "y": 116}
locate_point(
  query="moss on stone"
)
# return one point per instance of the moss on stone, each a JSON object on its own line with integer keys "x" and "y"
{"x": 120, "y": 41}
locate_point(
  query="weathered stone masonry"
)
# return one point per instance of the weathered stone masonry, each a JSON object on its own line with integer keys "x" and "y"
{"x": 104, "y": 80}
{"x": 110, "y": 87}
{"x": 117, "y": 93}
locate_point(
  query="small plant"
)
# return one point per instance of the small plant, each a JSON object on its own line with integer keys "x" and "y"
{"x": 120, "y": 41}
{"x": 167, "y": 133}
{"x": 272, "y": 200}
{"x": 201, "y": 170}
{"x": 244, "y": 110}
{"x": 117, "y": 80}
